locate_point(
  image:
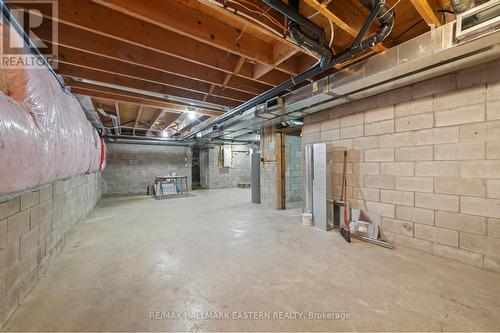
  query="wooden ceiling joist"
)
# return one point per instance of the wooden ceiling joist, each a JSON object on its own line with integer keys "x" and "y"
{"x": 136, "y": 122}
{"x": 92, "y": 61}
{"x": 155, "y": 121}
{"x": 425, "y": 10}
{"x": 111, "y": 94}
{"x": 271, "y": 32}
{"x": 80, "y": 40}
{"x": 179, "y": 17}
{"x": 351, "y": 28}
{"x": 118, "y": 80}
{"x": 83, "y": 14}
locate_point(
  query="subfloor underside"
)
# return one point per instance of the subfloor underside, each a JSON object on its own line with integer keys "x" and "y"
{"x": 136, "y": 260}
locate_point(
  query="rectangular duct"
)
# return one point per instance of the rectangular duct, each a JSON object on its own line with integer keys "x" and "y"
{"x": 429, "y": 55}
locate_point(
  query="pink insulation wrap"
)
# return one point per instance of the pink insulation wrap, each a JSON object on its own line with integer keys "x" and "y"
{"x": 44, "y": 134}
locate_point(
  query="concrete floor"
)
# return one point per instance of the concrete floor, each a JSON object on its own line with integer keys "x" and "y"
{"x": 217, "y": 252}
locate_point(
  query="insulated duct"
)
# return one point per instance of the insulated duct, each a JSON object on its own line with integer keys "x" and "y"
{"x": 90, "y": 113}
{"x": 44, "y": 133}
{"x": 460, "y": 6}
{"x": 378, "y": 9}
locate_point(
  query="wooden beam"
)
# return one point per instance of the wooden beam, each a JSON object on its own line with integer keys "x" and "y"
{"x": 183, "y": 18}
{"x": 133, "y": 98}
{"x": 155, "y": 120}
{"x": 212, "y": 87}
{"x": 315, "y": 4}
{"x": 236, "y": 71}
{"x": 425, "y": 10}
{"x": 85, "y": 60}
{"x": 81, "y": 40}
{"x": 83, "y": 15}
{"x": 260, "y": 69}
{"x": 283, "y": 47}
{"x": 139, "y": 112}
{"x": 281, "y": 53}
{"x": 118, "y": 80}
{"x": 263, "y": 29}
{"x": 239, "y": 65}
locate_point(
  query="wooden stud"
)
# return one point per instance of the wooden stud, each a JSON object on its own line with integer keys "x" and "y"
{"x": 139, "y": 112}
{"x": 154, "y": 121}
{"x": 237, "y": 68}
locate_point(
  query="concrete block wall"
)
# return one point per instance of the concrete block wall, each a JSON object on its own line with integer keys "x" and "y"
{"x": 34, "y": 226}
{"x": 268, "y": 171}
{"x": 239, "y": 172}
{"x": 132, "y": 167}
{"x": 427, "y": 158}
{"x": 293, "y": 173}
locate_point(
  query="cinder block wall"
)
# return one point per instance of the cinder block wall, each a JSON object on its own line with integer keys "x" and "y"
{"x": 268, "y": 170}
{"x": 293, "y": 174}
{"x": 34, "y": 227}
{"x": 239, "y": 172}
{"x": 427, "y": 158}
{"x": 132, "y": 167}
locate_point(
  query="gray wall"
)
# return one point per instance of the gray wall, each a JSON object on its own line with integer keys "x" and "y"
{"x": 293, "y": 174}
{"x": 213, "y": 176}
{"x": 34, "y": 227}
{"x": 426, "y": 157}
{"x": 268, "y": 170}
{"x": 132, "y": 167}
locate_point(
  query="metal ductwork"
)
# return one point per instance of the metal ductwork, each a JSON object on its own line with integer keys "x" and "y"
{"x": 145, "y": 140}
{"x": 429, "y": 55}
{"x": 114, "y": 120}
{"x": 378, "y": 10}
{"x": 90, "y": 113}
{"x": 460, "y": 6}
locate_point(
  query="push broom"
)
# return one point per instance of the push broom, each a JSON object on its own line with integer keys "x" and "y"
{"x": 345, "y": 229}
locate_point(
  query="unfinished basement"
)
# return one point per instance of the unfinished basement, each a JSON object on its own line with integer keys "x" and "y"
{"x": 250, "y": 165}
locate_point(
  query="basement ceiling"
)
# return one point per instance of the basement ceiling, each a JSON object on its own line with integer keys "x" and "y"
{"x": 128, "y": 55}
